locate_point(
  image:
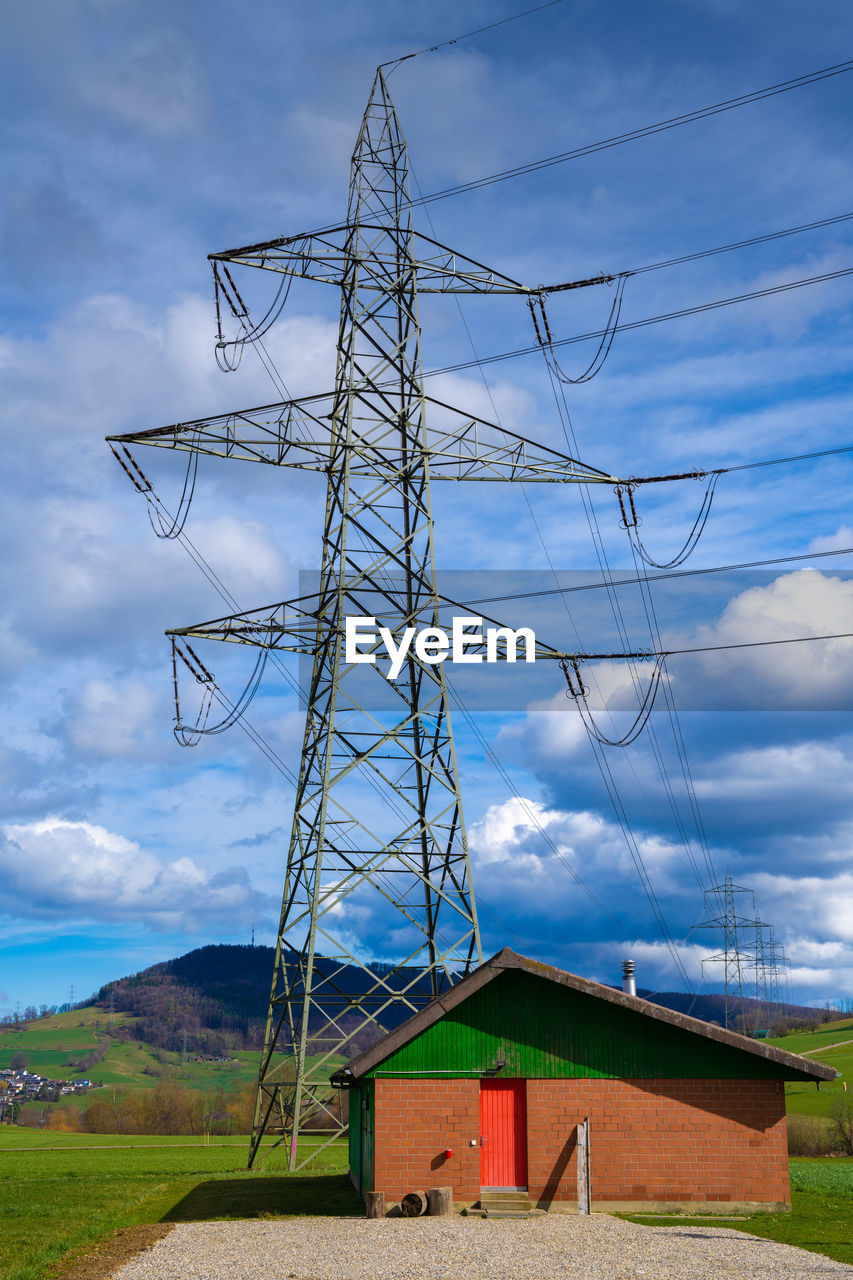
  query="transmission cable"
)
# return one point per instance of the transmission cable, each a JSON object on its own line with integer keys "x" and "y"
{"x": 741, "y": 244}
{"x": 786, "y": 287}
{"x": 530, "y": 811}
{"x": 190, "y": 735}
{"x": 615, "y": 799}
{"x": 729, "y": 104}
{"x": 647, "y": 595}
{"x": 173, "y": 526}
{"x": 546, "y": 341}
{"x": 565, "y": 418}
{"x": 253, "y": 334}
{"x": 657, "y": 577}
{"x": 631, "y": 523}
{"x": 395, "y": 62}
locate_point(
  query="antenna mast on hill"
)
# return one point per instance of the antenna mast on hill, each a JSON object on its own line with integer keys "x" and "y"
{"x": 378, "y": 812}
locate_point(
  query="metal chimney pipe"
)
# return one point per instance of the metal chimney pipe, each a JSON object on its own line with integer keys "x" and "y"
{"x": 629, "y": 986}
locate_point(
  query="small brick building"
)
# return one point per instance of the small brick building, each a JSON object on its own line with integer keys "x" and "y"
{"x": 502, "y": 1068}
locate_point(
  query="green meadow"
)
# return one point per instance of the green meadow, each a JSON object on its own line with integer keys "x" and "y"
{"x": 62, "y": 1192}
{"x": 62, "y": 1196}
{"x": 828, "y": 1046}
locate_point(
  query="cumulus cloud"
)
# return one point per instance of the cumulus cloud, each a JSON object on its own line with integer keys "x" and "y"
{"x": 54, "y": 869}
{"x": 779, "y": 676}
{"x": 530, "y": 854}
{"x": 842, "y": 538}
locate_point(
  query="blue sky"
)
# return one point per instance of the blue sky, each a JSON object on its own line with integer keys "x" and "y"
{"x": 139, "y": 137}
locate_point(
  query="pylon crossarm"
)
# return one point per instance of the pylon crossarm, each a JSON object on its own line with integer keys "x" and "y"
{"x": 478, "y": 449}
{"x": 328, "y": 258}
{"x": 268, "y": 628}
{"x": 292, "y": 433}
{"x": 290, "y": 625}
{"x": 301, "y": 434}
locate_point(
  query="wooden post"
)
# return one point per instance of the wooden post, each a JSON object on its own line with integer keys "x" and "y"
{"x": 440, "y": 1201}
{"x": 584, "y": 1205}
{"x": 414, "y": 1204}
{"x": 375, "y": 1203}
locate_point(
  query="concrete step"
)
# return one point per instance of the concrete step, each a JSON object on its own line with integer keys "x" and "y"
{"x": 513, "y": 1213}
{"x": 505, "y": 1202}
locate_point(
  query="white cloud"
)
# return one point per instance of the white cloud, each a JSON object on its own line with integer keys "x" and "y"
{"x": 843, "y": 537}
{"x": 55, "y": 869}
{"x": 520, "y": 845}
{"x": 811, "y": 675}
{"x": 817, "y": 909}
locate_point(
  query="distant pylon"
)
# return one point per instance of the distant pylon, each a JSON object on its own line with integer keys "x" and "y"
{"x": 736, "y": 957}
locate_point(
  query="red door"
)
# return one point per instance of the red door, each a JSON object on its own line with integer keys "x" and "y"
{"x": 503, "y": 1134}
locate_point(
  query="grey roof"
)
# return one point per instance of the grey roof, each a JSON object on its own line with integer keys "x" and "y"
{"x": 508, "y": 959}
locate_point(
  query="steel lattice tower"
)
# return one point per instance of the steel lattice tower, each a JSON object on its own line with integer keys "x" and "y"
{"x": 378, "y": 807}
{"x": 735, "y": 957}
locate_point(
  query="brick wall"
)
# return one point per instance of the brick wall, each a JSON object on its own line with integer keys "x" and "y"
{"x": 664, "y": 1140}
{"x": 711, "y": 1141}
{"x": 415, "y": 1121}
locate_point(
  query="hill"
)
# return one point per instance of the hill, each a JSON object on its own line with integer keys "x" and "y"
{"x": 712, "y": 1008}
{"x": 199, "y": 1020}
{"x": 213, "y": 1001}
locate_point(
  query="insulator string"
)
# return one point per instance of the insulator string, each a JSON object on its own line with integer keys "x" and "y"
{"x": 189, "y": 735}
{"x": 631, "y": 522}
{"x": 546, "y": 341}
{"x": 171, "y": 526}
{"x": 579, "y": 692}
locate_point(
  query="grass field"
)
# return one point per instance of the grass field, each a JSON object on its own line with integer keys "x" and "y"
{"x": 807, "y": 1099}
{"x": 57, "y": 1200}
{"x": 63, "y": 1196}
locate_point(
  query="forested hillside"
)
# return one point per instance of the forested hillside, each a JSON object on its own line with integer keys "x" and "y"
{"x": 214, "y": 1000}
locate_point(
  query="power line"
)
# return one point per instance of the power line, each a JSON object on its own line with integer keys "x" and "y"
{"x": 609, "y": 782}
{"x": 642, "y": 655}
{"x": 443, "y": 44}
{"x": 760, "y": 644}
{"x": 657, "y": 577}
{"x": 608, "y": 779}
{"x": 785, "y": 287}
{"x": 741, "y": 244}
{"x": 743, "y": 100}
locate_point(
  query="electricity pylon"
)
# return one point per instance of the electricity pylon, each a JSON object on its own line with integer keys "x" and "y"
{"x": 736, "y": 957}
{"x": 769, "y": 959}
{"x": 378, "y": 811}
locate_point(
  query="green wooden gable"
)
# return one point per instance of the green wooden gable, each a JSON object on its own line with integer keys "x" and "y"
{"x": 538, "y": 1028}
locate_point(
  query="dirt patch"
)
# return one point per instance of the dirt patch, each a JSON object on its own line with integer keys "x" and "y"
{"x": 105, "y": 1258}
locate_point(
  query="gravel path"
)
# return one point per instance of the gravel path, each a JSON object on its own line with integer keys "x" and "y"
{"x": 548, "y": 1248}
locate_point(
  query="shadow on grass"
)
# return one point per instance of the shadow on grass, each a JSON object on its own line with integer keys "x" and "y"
{"x": 328, "y": 1194}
